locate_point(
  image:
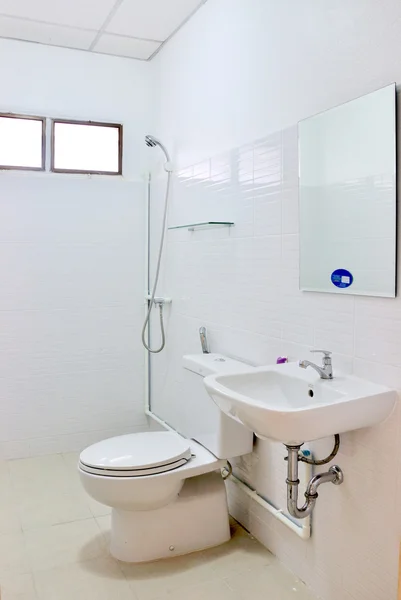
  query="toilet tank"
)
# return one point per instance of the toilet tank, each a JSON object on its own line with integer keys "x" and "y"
{"x": 201, "y": 419}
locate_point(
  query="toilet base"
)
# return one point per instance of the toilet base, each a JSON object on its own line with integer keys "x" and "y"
{"x": 198, "y": 519}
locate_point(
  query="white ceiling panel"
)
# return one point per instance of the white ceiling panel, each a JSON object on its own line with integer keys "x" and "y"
{"x": 52, "y": 35}
{"x": 130, "y": 28}
{"x": 89, "y": 14}
{"x": 125, "y": 46}
{"x": 151, "y": 19}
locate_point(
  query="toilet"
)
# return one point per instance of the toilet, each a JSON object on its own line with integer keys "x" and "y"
{"x": 165, "y": 488}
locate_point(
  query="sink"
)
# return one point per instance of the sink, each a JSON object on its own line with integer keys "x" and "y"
{"x": 293, "y": 405}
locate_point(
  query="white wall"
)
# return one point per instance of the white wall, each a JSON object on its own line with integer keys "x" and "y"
{"x": 233, "y": 84}
{"x": 71, "y": 261}
{"x": 241, "y": 69}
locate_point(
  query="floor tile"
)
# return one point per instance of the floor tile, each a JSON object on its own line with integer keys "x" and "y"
{"x": 7, "y": 495}
{"x": 97, "y": 509}
{"x": 18, "y": 587}
{"x": 273, "y": 582}
{"x": 9, "y": 519}
{"x": 104, "y": 524}
{"x": 240, "y": 554}
{"x": 37, "y": 467}
{"x": 39, "y": 475}
{"x": 71, "y": 470}
{"x": 64, "y": 544}
{"x": 210, "y": 590}
{"x": 99, "y": 579}
{"x": 149, "y": 581}
{"x": 13, "y": 554}
{"x": 71, "y": 460}
{"x": 53, "y": 508}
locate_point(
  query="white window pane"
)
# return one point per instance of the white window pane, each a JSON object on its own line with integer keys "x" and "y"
{"x": 92, "y": 148}
{"x": 20, "y": 143}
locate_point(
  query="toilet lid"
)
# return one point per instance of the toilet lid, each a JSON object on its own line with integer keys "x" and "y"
{"x": 137, "y": 454}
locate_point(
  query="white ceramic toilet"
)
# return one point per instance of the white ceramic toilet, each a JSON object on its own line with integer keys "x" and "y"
{"x": 165, "y": 488}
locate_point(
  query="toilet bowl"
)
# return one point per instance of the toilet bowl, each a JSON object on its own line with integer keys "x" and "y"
{"x": 133, "y": 487}
{"x": 178, "y": 508}
{"x": 165, "y": 489}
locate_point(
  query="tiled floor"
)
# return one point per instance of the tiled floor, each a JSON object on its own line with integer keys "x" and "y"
{"x": 54, "y": 546}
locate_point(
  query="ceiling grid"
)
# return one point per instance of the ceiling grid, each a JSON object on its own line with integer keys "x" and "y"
{"x": 129, "y": 28}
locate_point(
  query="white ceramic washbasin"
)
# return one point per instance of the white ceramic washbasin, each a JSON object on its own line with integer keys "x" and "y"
{"x": 293, "y": 405}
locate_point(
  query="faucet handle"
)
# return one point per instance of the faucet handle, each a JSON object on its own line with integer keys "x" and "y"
{"x": 326, "y": 357}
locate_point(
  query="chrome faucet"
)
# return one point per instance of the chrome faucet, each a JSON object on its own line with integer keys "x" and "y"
{"x": 326, "y": 370}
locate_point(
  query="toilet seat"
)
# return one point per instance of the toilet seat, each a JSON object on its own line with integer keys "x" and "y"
{"x": 136, "y": 455}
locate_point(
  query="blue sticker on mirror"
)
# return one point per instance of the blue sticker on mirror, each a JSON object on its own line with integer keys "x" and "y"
{"x": 342, "y": 278}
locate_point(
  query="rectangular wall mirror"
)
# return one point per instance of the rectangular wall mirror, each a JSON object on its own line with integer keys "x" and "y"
{"x": 347, "y": 195}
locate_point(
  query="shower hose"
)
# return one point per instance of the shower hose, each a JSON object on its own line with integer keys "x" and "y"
{"x": 152, "y": 299}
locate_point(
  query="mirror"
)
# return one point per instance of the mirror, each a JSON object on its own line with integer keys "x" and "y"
{"x": 347, "y": 196}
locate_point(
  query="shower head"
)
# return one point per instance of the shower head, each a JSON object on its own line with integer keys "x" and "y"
{"x": 152, "y": 142}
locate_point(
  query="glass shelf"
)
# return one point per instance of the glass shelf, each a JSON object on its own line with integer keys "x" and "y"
{"x": 204, "y": 225}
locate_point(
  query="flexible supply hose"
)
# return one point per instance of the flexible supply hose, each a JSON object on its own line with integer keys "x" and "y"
{"x": 159, "y": 260}
{"x": 324, "y": 461}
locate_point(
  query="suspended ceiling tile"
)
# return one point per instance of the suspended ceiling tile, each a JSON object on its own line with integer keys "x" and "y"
{"x": 53, "y": 35}
{"x": 125, "y": 46}
{"x": 89, "y": 14}
{"x": 151, "y": 19}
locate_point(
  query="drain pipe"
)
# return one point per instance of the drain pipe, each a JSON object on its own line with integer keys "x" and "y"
{"x": 333, "y": 475}
{"x": 301, "y": 528}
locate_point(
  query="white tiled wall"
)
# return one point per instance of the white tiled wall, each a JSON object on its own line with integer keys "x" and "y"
{"x": 242, "y": 284}
{"x": 222, "y": 86}
{"x": 72, "y": 262}
{"x": 71, "y": 267}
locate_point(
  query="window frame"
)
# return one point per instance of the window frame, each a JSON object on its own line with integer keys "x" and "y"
{"x": 43, "y": 148}
{"x": 117, "y": 126}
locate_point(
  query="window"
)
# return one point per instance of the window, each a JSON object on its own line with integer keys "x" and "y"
{"x": 86, "y": 147}
{"x": 22, "y": 142}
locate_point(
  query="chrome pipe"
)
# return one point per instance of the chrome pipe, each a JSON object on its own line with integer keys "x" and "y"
{"x": 333, "y": 475}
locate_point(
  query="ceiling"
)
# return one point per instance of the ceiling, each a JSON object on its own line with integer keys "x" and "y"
{"x": 131, "y": 28}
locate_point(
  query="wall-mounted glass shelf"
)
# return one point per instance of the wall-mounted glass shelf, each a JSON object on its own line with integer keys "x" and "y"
{"x": 204, "y": 225}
